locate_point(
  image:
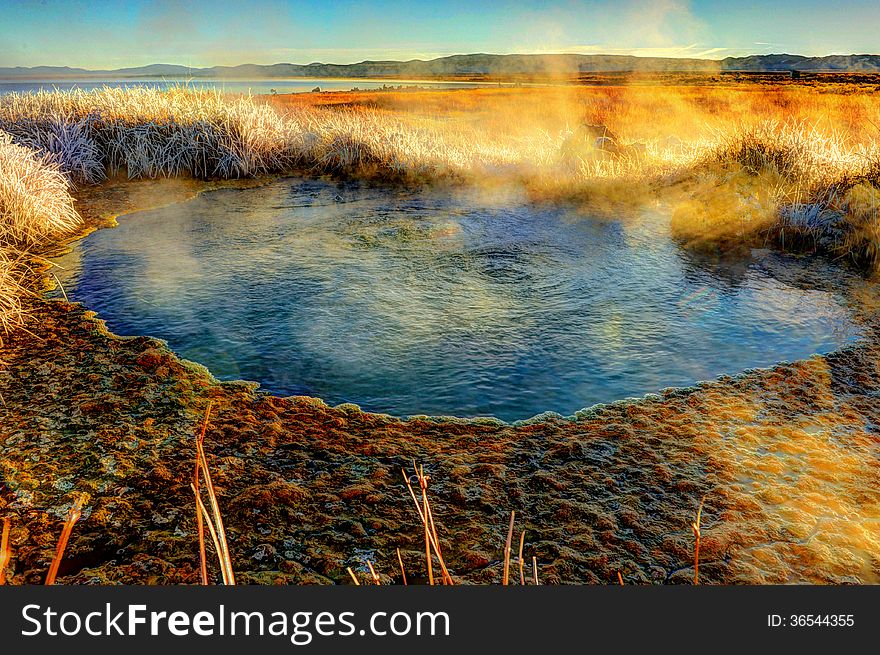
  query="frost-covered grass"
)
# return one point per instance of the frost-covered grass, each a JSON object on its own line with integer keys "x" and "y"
{"x": 149, "y": 133}
{"x": 35, "y": 205}
{"x": 35, "y": 199}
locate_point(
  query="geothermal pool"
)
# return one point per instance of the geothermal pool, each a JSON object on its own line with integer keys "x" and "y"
{"x": 459, "y": 303}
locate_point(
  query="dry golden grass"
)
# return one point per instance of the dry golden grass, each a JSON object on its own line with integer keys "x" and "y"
{"x": 35, "y": 201}
{"x": 737, "y": 164}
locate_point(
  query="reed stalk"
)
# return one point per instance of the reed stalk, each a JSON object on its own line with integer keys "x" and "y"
{"x": 373, "y": 574}
{"x": 423, "y": 509}
{"x": 214, "y": 520}
{"x": 72, "y": 517}
{"x": 695, "y": 527}
{"x": 5, "y": 550}
{"x": 203, "y": 560}
{"x": 402, "y": 569}
{"x": 506, "y": 575}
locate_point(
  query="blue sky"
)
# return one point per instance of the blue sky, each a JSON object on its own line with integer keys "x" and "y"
{"x": 100, "y": 34}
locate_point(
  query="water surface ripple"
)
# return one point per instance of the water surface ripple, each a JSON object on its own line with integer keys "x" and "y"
{"x": 430, "y": 302}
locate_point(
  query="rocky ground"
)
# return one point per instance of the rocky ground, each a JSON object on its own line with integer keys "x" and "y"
{"x": 787, "y": 459}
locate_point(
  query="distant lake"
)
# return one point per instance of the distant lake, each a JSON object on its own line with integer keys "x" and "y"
{"x": 255, "y": 87}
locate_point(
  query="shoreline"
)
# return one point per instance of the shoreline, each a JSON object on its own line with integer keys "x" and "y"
{"x": 307, "y": 489}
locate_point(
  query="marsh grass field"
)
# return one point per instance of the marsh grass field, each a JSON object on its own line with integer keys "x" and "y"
{"x": 784, "y": 457}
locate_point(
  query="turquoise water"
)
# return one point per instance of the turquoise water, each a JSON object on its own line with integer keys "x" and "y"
{"x": 430, "y": 302}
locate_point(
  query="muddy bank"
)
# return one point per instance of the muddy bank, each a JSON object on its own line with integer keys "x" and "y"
{"x": 786, "y": 458}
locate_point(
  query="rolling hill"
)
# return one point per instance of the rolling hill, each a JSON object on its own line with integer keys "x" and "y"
{"x": 472, "y": 65}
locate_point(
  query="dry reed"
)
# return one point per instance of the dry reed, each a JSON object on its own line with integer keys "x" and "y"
{"x": 5, "y": 550}
{"x": 522, "y": 539}
{"x": 214, "y": 519}
{"x": 402, "y": 569}
{"x": 72, "y": 517}
{"x": 200, "y": 521}
{"x": 432, "y": 540}
{"x": 695, "y": 527}
{"x": 373, "y": 574}
{"x": 506, "y": 575}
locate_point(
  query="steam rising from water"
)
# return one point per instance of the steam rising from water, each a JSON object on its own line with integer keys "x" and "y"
{"x": 413, "y": 302}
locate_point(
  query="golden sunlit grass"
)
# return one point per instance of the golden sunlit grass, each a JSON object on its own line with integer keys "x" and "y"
{"x": 788, "y": 183}
{"x": 35, "y": 202}
{"x": 798, "y": 165}
{"x": 798, "y": 150}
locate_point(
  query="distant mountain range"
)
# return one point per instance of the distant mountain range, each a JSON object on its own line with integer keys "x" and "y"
{"x": 473, "y": 66}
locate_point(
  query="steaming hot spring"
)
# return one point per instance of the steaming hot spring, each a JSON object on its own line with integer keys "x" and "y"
{"x": 444, "y": 302}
